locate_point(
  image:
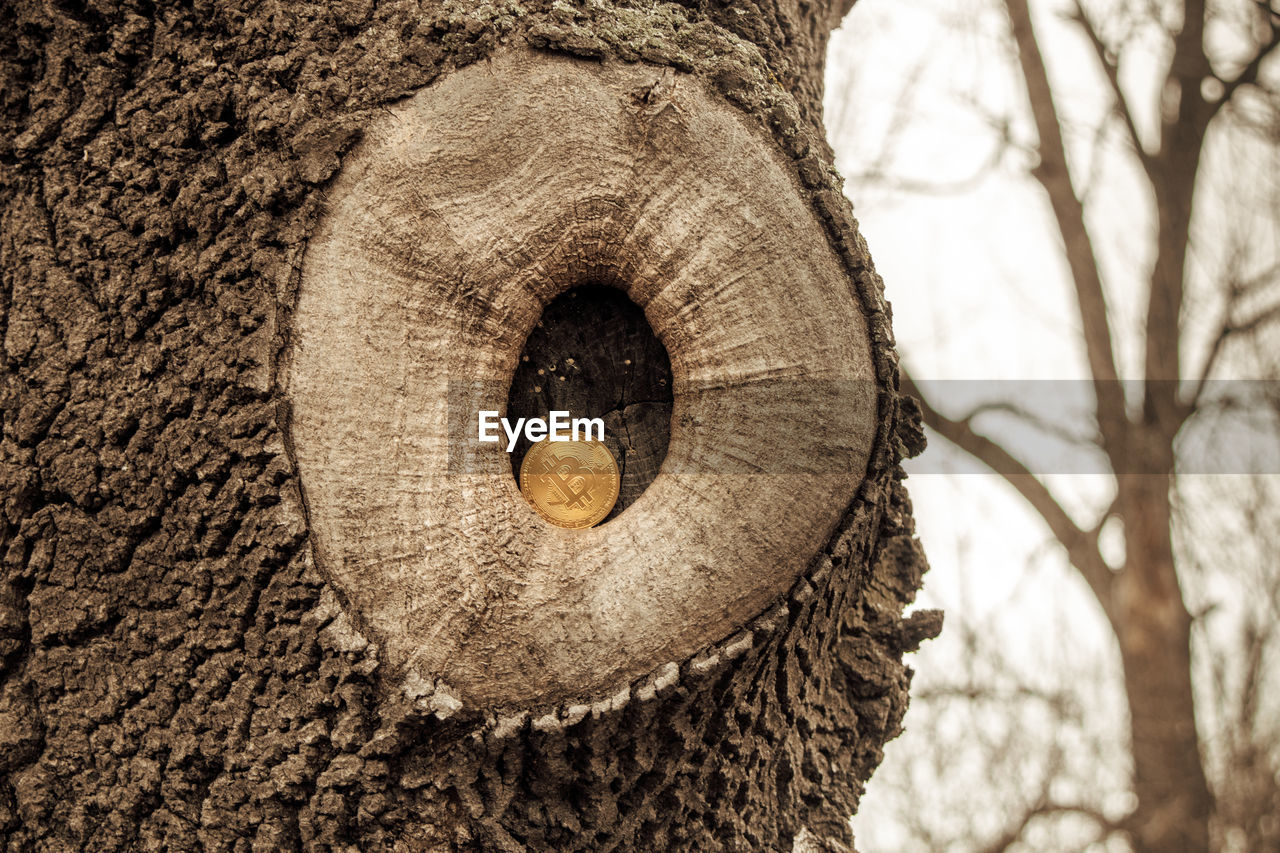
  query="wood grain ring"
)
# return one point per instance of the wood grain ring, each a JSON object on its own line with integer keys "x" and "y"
{"x": 462, "y": 213}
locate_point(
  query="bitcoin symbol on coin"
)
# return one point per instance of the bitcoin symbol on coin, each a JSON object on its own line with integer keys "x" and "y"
{"x": 572, "y": 480}
{"x": 570, "y": 483}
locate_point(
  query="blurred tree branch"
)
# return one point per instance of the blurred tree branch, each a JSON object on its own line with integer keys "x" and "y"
{"x": 1048, "y": 808}
{"x": 1112, "y": 72}
{"x": 1053, "y": 175}
{"x": 1143, "y": 596}
{"x": 1081, "y": 545}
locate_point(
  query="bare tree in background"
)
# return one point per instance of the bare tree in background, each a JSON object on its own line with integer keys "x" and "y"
{"x": 1196, "y": 787}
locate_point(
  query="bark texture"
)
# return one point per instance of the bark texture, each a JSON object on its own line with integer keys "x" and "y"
{"x": 177, "y": 674}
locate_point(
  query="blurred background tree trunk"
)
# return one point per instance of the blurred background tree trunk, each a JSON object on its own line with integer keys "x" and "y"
{"x": 1138, "y": 96}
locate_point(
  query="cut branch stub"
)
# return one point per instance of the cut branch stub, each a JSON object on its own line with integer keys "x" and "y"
{"x": 463, "y": 213}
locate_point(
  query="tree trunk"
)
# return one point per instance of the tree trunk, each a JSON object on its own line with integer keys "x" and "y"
{"x": 194, "y": 654}
{"x": 1153, "y": 632}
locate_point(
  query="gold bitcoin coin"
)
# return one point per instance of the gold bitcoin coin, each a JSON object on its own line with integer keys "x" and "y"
{"x": 570, "y": 483}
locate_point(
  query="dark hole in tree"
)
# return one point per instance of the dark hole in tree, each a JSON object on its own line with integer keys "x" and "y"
{"x": 594, "y": 355}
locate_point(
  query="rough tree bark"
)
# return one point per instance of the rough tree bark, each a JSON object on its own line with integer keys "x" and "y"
{"x": 183, "y": 667}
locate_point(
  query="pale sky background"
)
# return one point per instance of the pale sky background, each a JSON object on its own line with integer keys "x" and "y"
{"x": 980, "y": 292}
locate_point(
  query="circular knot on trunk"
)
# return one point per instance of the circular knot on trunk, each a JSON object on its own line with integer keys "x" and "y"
{"x": 464, "y": 212}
